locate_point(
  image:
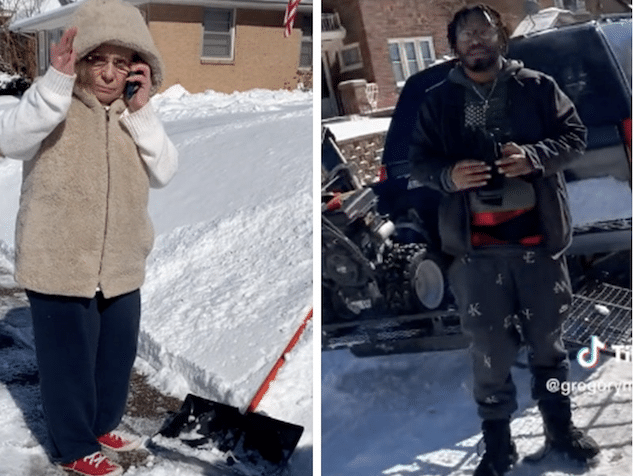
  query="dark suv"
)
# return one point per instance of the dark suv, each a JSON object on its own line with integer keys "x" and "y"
{"x": 591, "y": 62}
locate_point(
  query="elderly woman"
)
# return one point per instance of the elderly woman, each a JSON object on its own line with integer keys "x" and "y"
{"x": 83, "y": 233}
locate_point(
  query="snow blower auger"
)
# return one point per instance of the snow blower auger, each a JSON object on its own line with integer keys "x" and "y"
{"x": 250, "y": 437}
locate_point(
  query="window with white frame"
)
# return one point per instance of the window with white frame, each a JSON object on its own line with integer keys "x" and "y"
{"x": 409, "y": 56}
{"x": 218, "y": 34}
{"x": 350, "y": 57}
{"x": 42, "y": 53}
{"x": 306, "y": 47}
{"x": 572, "y": 5}
{"x": 45, "y": 39}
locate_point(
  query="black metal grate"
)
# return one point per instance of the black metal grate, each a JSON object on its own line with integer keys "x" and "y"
{"x": 600, "y": 310}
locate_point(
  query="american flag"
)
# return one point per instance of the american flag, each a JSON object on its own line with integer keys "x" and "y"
{"x": 289, "y": 17}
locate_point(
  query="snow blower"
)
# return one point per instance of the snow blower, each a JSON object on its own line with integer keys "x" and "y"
{"x": 251, "y": 437}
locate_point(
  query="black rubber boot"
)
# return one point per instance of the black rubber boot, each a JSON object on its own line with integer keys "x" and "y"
{"x": 500, "y": 453}
{"x": 561, "y": 434}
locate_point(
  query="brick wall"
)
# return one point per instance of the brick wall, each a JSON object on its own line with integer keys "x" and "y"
{"x": 401, "y": 19}
{"x": 263, "y": 57}
{"x": 351, "y": 18}
{"x": 373, "y": 22}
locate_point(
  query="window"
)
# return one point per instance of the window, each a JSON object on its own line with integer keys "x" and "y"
{"x": 350, "y": 57}
{"x": 572, "y": 5}
{"x": 42, "y": 50}
{"x": 44, "y": 40}
{"x": 619, "y": 36}
{"x": 306, "y": 47}
{"x": 218, "y": 34}
{"x": 409, "y": 56}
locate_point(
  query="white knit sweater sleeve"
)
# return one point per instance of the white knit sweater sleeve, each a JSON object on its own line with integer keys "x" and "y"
{"x": 42, "y": 108}
{"x": 156, "y": 149}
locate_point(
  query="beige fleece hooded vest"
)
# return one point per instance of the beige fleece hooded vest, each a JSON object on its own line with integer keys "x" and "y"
{"x": 83, "y": 222}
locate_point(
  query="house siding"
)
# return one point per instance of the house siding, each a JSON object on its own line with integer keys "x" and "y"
{"x": 263, "y": 58}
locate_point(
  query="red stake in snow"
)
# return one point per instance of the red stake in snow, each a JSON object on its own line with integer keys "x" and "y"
{"x": 271, "y": 376}
{"x": 289, "y": 17}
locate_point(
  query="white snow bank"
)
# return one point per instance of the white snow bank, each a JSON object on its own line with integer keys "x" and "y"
{"x": 176, "y": 103}
{"x": 10, "y": 183}
{"x": 358, "y": 126}
{"x": 222, "y": 298}
{"x": 6, "y": 78}
{"x": 6, "y": 266}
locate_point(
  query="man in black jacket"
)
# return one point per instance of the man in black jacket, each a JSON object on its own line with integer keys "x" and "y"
{"x": 493, "y": 138}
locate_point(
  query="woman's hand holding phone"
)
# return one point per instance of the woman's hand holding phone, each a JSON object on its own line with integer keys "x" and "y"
{"x": 137, "y": 91}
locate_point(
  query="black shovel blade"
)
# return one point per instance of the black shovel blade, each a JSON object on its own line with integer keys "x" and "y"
{"x": 249, "y": 436}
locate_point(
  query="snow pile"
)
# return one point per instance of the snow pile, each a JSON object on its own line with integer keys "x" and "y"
{"x": 6, "y": 267}
{"x": 17, "y": 440}
{"x": 174, "y": 92}
{"x": 10, "y": 182}
{"x": 358, "y": 126}
{"x": 230, "y": 278}
{"x": 176, "y": 103}
{"x": 6, "y": 78}
{"x": 238, "y": 277}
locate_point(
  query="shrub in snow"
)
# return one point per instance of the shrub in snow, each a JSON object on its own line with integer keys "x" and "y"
{"x": 13, "y": 85}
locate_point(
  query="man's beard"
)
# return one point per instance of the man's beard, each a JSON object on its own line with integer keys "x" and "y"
{"x": 482, "y": 63}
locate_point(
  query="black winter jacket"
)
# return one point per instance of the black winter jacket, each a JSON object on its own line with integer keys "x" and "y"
{"x": 543, "y": 121}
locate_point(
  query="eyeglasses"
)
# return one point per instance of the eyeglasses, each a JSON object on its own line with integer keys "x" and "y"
{"x": 99, "y": 62}
{"x": 468, "y": 35}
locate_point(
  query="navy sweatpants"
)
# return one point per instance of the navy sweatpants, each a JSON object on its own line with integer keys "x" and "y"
{"x": 509, "y": 298}
{"x": 85, "y": 351}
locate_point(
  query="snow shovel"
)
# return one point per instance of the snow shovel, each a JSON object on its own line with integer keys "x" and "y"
{"x": 248, "y": 435}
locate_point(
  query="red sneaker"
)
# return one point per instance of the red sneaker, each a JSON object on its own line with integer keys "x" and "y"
{"x": 95, "y": 464}
{"x": 119, "y": 441}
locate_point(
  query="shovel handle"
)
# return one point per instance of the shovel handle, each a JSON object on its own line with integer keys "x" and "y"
{"x": 280, "y": 361}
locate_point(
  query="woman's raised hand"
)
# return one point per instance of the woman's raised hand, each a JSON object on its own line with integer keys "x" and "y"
{"x": 63, "y": 55}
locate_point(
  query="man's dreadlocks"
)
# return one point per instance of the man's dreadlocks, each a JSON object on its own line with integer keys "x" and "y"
{"x": 485, "y": 11}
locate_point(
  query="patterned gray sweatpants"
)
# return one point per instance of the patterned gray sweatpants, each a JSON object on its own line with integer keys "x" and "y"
{"x": 509, "y": 297}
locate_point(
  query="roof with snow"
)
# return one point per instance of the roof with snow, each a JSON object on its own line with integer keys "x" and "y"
{"x": 546, "y": 19}
{"x": 58, "y": 17}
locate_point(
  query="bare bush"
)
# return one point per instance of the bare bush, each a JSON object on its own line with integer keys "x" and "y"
{"x": 17, "y": 51}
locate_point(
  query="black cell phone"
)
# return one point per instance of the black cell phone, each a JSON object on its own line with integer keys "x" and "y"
{"x": 131, "y": 87}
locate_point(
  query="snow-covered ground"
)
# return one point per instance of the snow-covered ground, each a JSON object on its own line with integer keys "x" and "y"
{"x": 413, "y": 415}
{"x": 230, "y": 279}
